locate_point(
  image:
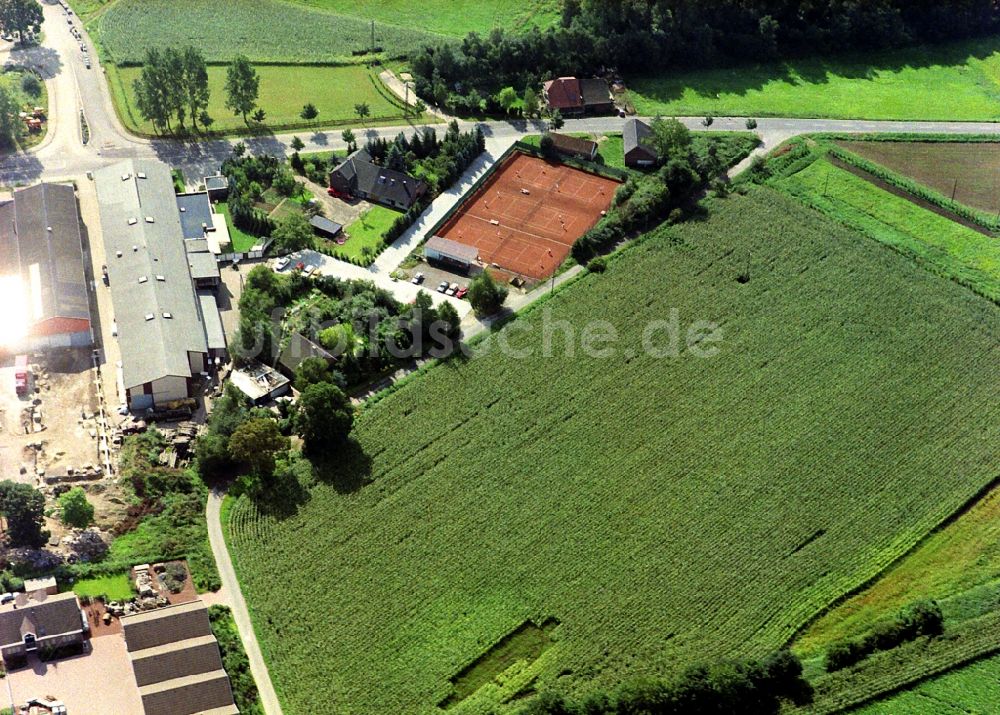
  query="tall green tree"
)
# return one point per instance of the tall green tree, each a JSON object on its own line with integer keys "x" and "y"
{"x": 309, "y": 112}
{"x": 507, "y": 99}
{"x": 348, "y": 136}
{"x": 242, "y": 87}
{"x": 196, "y": 91}
{"x": 323, "y": 417}
{"x": 486, "y": 295}
{"x": 362, "y": 110}
{"x": 530, "y": 100}
{"x": 670, "y": 138}
{"x": 257, "y": 443}
{"x": 21, "y": 16}
{"x": 293, "y": 233}
{"x": 152, "y": 91}
{"x": 75, "y": 510}
{"x": 24, "y": 508}
{"x": 10, "y": 123}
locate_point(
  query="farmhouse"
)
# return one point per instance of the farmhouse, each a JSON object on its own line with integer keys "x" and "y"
{"x": 39, "y": 621}
{"x": 574, "y": 146}
{"x": 176, "y": 662}
{"x": 359, "y": 177}
{"x": 450, "y": 253}
{"x": 161, "y": 325}
{"x": 43, "y": 282}
{"x": 639, "y": 152}
{"x": 578, "y": 96}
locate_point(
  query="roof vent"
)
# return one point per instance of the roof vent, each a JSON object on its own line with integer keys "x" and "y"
{"x": 133, "y": 221}
{"x": 118, "y": 254}
{"x": 143, "y": 279}
{"x": 49, "y": 229}
{"x": 126, "y": 176}
{"x": 183, "y": 210}
{"x": 141, "y": 175}
{"x": 161, "y": 278}
{"x": 167, "y": 315}
{"x": 149, "y": 219}
{"x": 135, "y": 248}
{"x": 149, "y": 316}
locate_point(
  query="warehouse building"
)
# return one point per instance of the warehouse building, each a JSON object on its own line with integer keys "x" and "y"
{"x": 163, "y": 331}
{"x": 44, "y": 287}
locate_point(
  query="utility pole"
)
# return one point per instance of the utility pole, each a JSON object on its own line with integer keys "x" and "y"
{"x": 954, "y": 189}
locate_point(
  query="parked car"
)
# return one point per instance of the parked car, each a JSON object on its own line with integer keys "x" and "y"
{"x": 442, "y": 286}
{"x": 462, "y": 292}
{"x": 309, "y": 270}
{"x": 86, "y": 62}
{"x": 452, "y": 289}
{"x": 282, "y": 263}
{"x": 417, "y": 279}
{"x": 6, "y": 598}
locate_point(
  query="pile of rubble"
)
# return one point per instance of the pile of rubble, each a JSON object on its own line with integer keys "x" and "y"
{"x": 136, "y": 605}
{"x": 84, "y": 545}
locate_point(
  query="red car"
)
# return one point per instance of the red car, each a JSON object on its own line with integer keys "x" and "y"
{"x": 460, "y": 293}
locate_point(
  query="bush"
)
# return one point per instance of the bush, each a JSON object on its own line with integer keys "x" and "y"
{"x": 751, "y": 123}
{"x": 598, "y": 265}
{"x": 31, "y": 85}
{"x": 921, "y": 618}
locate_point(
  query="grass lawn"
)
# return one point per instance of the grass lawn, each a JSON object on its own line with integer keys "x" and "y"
{"x": 959, "y": 81}
{"x": 367, "y": 231}
{"x": 450, "y": 17}
{"x": 284, "y": 90}
{"x": 115, "y": 588}
{"x": 242, "y": 242}
{"x": 969, "y": 169}
{"x": 954, "y": 250}
{"x": 662, "y": 509}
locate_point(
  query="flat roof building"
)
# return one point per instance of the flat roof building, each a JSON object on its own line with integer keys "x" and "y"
{"x": 452, "y": 253}
{"x": 43, "y": 279}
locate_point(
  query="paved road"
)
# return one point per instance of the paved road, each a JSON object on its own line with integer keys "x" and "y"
{"x": 231, "y": 587}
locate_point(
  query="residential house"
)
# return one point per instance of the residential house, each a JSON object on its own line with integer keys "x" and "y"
{"x": 639, "y": 151}
{"x": 359, "y": 177}
{"x": 573, "y": 96}
{"x": 39, "y": 621}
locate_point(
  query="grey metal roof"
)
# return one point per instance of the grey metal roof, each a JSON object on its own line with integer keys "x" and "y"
{"x": 203, "y": 265}
{"x": 196, "y": 214}
{"x": 157, "y": 313}
{"x": 322, "y": 223}
{"x": 454, "y": 249}
{"x": 214, "y": 332}
{"x": 635, "y": 135}
{"x": 40, "y": 239}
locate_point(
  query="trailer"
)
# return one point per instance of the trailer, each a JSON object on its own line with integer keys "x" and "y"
{"x": 21, "y": 375}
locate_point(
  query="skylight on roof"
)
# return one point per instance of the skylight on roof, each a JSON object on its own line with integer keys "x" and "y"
{"x": 168, "y": 315}
{"x": 141, "y": 175}
{"x": 126, "y": 176}
{"x": 161, "y": 278}
{"x": 143, "y": 279}
{"x": 149, "y": 316}
{"x": 133, "y": 221}
{"x": 149, "y": 219}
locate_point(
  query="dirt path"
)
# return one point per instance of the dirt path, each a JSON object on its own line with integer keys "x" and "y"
{"x": 231, "y": 586}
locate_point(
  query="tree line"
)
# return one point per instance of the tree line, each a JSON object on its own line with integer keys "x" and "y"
{"x": 173, "y": 86}
{"x": 636, "y": 35}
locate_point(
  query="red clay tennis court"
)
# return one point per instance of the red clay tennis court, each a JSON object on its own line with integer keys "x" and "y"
{"x": 527, "y": 215}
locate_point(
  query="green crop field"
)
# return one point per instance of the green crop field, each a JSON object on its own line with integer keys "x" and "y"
{"x": 957, "y": 81}
{"x": 969, "y": 169}
{"x": 940, "y": 243}
{"x": 972, "y": 690}
{"x": 963, "y": 558}
{"x": 450, "y": 17}
{"x": 264, "y": 30}
{"x": 642, "y": 511}
{"x": 284, "y": 90}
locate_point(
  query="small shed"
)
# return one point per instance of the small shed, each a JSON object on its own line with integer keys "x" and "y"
{"x": 451, "y": 253}
{"x": 574, "y": 146}
{"x": 48, "y": 584}
{"x": 324, "y": 227}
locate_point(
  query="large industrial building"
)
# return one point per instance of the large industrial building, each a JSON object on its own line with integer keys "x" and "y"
{"x": 43, "y": 281}
{"x": 167, "y": 333}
